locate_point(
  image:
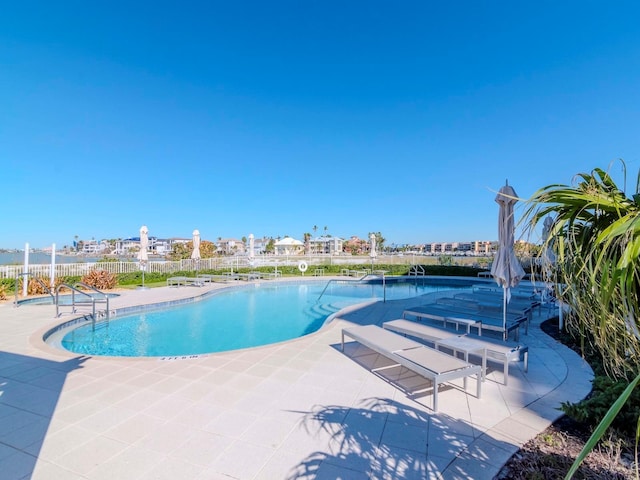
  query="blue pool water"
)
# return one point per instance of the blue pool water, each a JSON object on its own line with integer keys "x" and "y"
{"x": 231, "y": 320}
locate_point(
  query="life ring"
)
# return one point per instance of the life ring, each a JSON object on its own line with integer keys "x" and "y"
{"x": 302, "y": 266}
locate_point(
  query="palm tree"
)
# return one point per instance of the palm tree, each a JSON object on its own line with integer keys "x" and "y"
{"x": 596, "y": 238}
{"x": 596, "y": 235}
{"x": 315, "y": 229}
{"x": 307, "y": 243}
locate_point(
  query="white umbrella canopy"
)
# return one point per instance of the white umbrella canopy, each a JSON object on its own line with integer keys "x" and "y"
{"x": 548, "y": 257}
{"x": 506, "y": 268}
{"x": 251, "y": 249}
{"x": 372, "y": 251}
{"x": 195, "y": 254}
{"x": 548, "y": 260}
{"x": 143, "y": 255}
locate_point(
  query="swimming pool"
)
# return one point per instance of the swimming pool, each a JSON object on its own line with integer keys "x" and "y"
{"x": 233, "y": 319}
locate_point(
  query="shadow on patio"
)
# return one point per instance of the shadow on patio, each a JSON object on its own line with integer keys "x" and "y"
{"x": 29, "y": 391}
{"x": 385, "y": 439}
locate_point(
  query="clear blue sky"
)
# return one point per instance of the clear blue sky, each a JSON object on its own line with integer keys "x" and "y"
{"x": 272, "y": 117}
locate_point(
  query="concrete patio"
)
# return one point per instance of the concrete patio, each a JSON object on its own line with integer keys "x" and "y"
{"x": 299, "y": 409}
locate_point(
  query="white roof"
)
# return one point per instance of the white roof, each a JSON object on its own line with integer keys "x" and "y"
{"x": 288, "y": 241}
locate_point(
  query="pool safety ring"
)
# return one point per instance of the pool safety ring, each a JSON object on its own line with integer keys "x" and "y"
{"x": 302, "y": 266}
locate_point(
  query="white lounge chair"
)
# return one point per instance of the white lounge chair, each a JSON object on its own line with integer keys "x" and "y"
{"x": 501, "y": 352}
{"x": 471, "y": 317}
{"x": 178, "y": 281}
{"x": 427, "y": 362}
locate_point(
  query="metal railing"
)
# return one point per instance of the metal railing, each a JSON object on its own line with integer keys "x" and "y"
{"x": 102, "y": 298}
{"x": 26, "y": 275}
{"x": 358, "y": 280}
{"x": 417, "y": 270}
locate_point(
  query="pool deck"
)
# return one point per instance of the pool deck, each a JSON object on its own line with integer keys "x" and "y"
{"x": 299, "y": 409}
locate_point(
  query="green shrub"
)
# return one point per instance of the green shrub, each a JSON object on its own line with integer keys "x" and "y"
{"x": 605, "y": 392}
{"x": 606, "y": 389}
{"x": 135, "y": 278}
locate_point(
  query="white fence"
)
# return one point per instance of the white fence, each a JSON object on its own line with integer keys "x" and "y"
{"x": 219, "y": 263}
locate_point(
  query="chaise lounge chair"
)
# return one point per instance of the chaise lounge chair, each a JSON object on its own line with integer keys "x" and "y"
{"x": 178, "y": 281}
{"x": 471, "y": 317}
{"x": 496, "y": 350}
{"x": 427, "y": 362}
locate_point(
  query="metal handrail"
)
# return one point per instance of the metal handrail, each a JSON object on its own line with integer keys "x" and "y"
{"x": 105, "y": 297}
{"x": 89, "y": 287}
{"x": 357, "y": 280}
{"x": 414, "y": 270}
{"x": 27, "y": 274}
{"x": 74, "y": 289}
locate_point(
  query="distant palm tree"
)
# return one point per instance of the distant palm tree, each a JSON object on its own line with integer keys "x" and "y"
{"x": 315, "y": 246}
{"x": 325, "y": 230}
{"x": 307, "y": 243}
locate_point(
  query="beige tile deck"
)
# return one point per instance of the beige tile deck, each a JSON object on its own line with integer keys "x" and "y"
{"x": 300, "y": 409}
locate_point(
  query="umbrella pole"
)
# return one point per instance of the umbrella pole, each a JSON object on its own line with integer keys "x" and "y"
{"x": 504, "y": 314}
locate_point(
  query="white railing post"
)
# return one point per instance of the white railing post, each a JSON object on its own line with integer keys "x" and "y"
{"x": 25, "y": 278}
{"x": 52, "y": 272}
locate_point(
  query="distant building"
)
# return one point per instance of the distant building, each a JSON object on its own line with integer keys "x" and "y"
{"x": 289, "y": 246}
{"x": 160, "y": 246}
{"x": 356, "y": 246}
{"x": 259, "y": 245}
{"x": 326, "y": 245}
{"x": 230, "y": 246}
{"x": 477, "y": 247}
{"x": 93, "y": 247}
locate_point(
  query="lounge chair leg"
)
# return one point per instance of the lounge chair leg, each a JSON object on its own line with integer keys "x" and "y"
{"x": 435, "y": 396}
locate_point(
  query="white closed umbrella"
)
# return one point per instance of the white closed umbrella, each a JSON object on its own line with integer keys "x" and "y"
{"x": 506, "y": 268}
{"x": 143, "y": 256}
{"x": 195, "y": 254}
{"x": 252, "y": 253}
{"x": 548, "y": 257}
{"x": 372, "y": 250}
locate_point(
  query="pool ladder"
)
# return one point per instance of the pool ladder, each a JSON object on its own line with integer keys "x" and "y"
{"x": 87, "y": 298}
{"x": 359, "y": 280}
{"x": 417, "y": 270}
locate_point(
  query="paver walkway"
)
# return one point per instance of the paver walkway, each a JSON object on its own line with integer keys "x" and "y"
{"x": 300, "y": 409}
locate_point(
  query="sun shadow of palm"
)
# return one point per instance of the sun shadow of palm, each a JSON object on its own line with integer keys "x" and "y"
{"x": 381, "y": 438}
